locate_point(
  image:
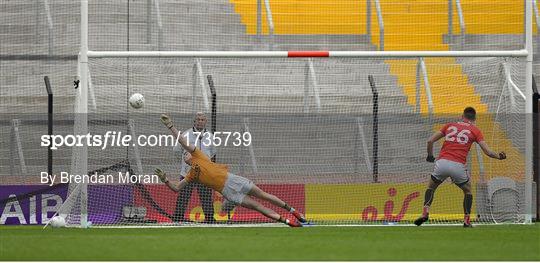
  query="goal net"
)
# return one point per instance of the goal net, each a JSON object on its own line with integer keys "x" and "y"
{"x": 315, "y": 132}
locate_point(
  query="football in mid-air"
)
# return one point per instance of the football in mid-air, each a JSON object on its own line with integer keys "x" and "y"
{"x": 58, "y": 222}
{"x": 136, "y": 100}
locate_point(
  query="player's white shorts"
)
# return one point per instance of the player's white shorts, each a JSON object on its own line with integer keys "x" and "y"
{"x": 236, "y": 188}
{"x": 446, "y": 168}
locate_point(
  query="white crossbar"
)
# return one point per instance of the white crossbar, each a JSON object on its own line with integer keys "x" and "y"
{"x": 253, "y": 54}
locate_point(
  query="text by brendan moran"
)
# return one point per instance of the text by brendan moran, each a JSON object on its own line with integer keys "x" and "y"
{"x": 115, "y": 178}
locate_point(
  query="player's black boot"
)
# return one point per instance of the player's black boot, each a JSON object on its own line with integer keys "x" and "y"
{"x": 421, "y": 220}
{"x": 467, "y": 225}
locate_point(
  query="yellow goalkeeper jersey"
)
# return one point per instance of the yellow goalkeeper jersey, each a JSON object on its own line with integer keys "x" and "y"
{"x": 203, "y": 170}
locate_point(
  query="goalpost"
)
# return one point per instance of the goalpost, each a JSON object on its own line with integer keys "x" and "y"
{"x": 326, "y": 172}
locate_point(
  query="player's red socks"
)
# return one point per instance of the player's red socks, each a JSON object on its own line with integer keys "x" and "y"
{"x": 467, "y": 219}
{"x": 425, "y": 211}
{"x": 299, "y": 216}
{"x": 295, "y": 213}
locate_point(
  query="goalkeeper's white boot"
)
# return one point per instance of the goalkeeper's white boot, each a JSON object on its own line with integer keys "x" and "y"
{"x": 291, "y": 223}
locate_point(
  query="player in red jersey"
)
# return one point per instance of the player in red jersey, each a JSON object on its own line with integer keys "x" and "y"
{"x": 458, "y": 139}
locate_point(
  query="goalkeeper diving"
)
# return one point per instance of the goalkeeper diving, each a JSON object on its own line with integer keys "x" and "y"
{"x": 235, "y": 189}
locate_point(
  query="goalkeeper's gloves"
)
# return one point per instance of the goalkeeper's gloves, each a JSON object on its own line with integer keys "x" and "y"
{"x": 502, "y": 156}
{"x": 166, "y": 121}
{"x": 430, "y": 158}
{"x": 162, "y": 175}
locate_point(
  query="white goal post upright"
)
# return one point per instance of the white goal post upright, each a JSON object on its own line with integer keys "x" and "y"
{"x": 85, "y": 54}
{"x": 528, "y": 110}
{"x": 82, "y": 112}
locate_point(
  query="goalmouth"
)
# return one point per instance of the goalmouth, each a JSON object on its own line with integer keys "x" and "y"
{"x": 325, "y": 164}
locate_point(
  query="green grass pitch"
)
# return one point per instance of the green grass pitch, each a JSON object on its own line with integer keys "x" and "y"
{"x": 503, "y": 242}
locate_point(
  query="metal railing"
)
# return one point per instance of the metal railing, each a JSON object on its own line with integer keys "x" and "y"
{"x": 50, "y": 25}
{"x": 537, "y": 20}
{"x": 375, "y": 141}
{"x": 380, "y": 22}
{"x": 535, "y": 10}
{"x": 269, "y": 21}
{"x": 381, "y": 25}
{"x": 365, "y": 148}
{"x": 91, "y": 92}
{"x": 198, "y": 81}
{"x": 158, "y": 22}
{"x": 510, "y": 87}
{"x": 136, "y": 151}
{"x": 461, "y": 23}
{"x": 310, "y": 83}
{"x": 461, "y": 20}
{"x": 250, "y": 148}
{"x": 50, "y": 120}
{"x": 422, "y": 77}
{"x": 480, "y": 159}
{"x": 16, "y": 146}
